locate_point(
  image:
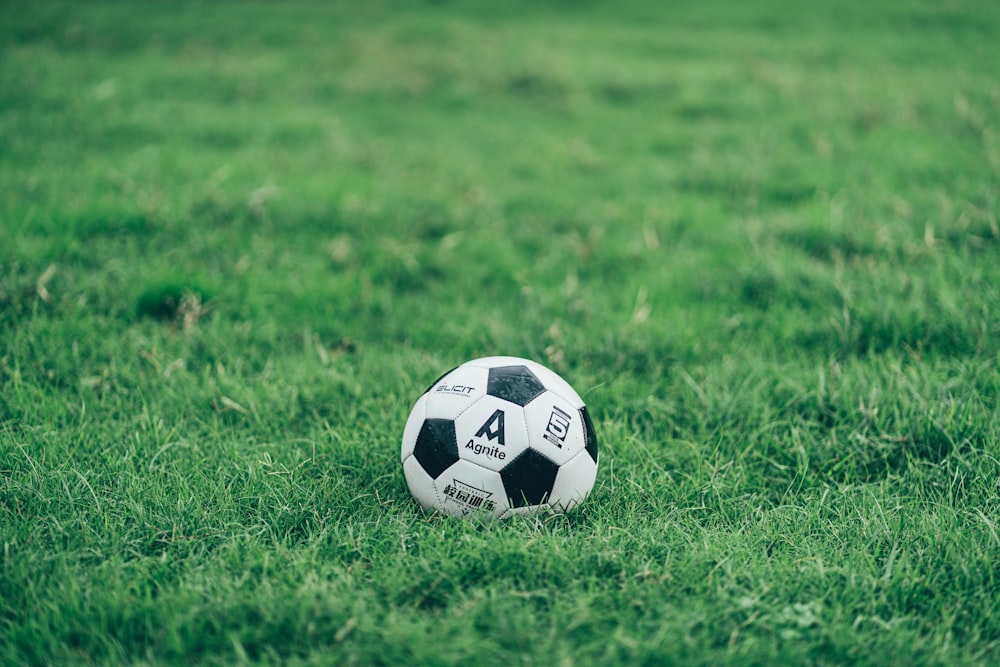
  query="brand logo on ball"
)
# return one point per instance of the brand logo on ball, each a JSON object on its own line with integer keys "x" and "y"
{"x": 456, "y": 389}
{"x": 469, "y": 496}
{"x": 492, "y": 429}
{"x": 558, "y": 427}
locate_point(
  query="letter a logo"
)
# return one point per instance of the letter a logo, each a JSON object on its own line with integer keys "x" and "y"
{"x": 493, "y": 428}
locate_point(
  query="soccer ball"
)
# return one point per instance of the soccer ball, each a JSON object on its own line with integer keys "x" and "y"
{"x": 499, "y": 436}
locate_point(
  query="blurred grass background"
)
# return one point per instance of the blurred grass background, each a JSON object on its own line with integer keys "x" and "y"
{"x": 237, "y": 239}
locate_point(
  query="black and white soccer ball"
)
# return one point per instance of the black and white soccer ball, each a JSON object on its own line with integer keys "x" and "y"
{"x": 499, "y": 436}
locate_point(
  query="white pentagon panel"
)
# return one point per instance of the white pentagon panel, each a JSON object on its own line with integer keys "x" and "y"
{"x": 413, "y": 424}
{"x": 491, "y": 433}
{"x": 456, "y": 391}
{"x": 466, "y": 489}
{"x": 555, "y": 427}
{"x": 420, "y": 483}
{"x": 573, "y": 482}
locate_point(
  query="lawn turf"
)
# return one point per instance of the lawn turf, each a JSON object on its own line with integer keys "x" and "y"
{"x": 238, "y": 239}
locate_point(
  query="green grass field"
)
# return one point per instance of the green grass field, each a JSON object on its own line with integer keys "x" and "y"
{"x": 238, "y": 239}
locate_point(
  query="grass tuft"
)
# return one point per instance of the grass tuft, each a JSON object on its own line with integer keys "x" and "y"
{"x": 173, "y": 301}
